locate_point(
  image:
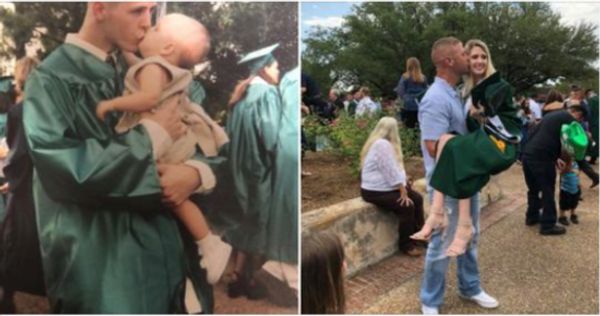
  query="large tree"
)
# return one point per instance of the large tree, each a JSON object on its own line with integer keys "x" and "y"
{"x": 528, "y": 43}
{"x": 235, "y": 28}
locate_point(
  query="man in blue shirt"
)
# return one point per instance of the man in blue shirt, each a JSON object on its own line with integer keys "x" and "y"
{"x": 441, "y": 112}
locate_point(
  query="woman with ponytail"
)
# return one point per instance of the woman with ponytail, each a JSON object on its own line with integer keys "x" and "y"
{"x": 253, "y": 122}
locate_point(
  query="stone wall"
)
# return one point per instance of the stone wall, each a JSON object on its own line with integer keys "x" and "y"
{"x": 369, "y": 235}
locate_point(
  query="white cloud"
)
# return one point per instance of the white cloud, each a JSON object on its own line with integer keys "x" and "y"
{"x": 573, "y": 13}
{"x": 330, "y": 21}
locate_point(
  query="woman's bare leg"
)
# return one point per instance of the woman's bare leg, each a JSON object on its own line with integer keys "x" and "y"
{"x": 437, "y": 217}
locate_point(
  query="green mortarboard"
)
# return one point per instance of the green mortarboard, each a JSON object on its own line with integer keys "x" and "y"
{"x": 257, "y": 59}
{"x": 574, "y": 140}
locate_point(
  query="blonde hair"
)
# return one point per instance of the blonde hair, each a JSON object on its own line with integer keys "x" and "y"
{"x": 468, "y": 79}
{"x": 386, "y": 128}
{"x": 23, "y": 68}
{"x": 365, "y": 90}
{"x": 413, "y": 70}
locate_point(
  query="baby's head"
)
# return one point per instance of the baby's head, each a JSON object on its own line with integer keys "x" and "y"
{"x": 179, "y": 39}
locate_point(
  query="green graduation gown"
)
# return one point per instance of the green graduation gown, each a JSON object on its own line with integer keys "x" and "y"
{"x": 467, "y": 161}
{"x": 285, "y": 177}
{"x": 253, "y": 128}
{"x": 108, "y": 244}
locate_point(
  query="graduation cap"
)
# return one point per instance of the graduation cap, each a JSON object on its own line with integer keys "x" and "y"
{"x": 574, "y": 139}
{"x": 258, "y": 59}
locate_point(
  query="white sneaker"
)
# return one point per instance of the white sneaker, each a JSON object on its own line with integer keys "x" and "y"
{"x": 429, "y": 310}
{"x": 215, "y": 255}
{"x": 482, "y": 299}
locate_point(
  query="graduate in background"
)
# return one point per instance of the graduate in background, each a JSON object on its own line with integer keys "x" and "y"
{"x": 284, "y": 203}
{"x": 253, "y": 125}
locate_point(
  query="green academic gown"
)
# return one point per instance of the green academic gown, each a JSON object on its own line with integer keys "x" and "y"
{"x": 253, "y": 128}
{"x": 108, "y": 244}
{"x": 285, "y": 177}
{"x": 467, "y": 161}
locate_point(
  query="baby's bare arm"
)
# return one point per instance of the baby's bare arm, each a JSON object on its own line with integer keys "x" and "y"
{"x": 152, "y": 79}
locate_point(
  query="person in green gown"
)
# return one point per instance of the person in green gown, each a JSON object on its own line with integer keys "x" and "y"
{"x": 109, "y": 241}
{"x": 284, "y": 203}
{"x": 465, "y": 162}
{"x": 254, "y": 125}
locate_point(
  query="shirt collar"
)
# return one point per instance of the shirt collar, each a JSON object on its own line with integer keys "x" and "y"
{"x": 74, "y": 39}
{"x": 258, "y": 79}
{"x": 446, "y": 86}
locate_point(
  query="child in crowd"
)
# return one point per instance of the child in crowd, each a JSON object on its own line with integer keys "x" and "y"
{"x": 170, "y": 49}
{"x": 323, "y": 268}
{"x": 570, "y": 190}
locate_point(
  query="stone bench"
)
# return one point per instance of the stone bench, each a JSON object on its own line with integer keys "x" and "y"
{"x": 370, "y": 235}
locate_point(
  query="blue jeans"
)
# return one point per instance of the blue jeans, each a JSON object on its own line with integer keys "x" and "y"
{"x": 436, "y": 262}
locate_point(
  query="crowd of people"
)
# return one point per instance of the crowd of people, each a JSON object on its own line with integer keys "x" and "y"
{"x": 468, "y": 133}
{"x": 115, "y": 172}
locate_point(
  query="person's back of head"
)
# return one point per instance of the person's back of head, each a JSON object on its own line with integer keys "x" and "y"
{"x": 386, "y": 128}
{"x": 364, "y": 91}
{"x": 441, "y": 50}
{"x": 191, "y": 37}
{"x": 23, "y": 68}
{"x": 553, "y": 96}
{"x": 322, "y": 274}
{"x": 413, "y": 70}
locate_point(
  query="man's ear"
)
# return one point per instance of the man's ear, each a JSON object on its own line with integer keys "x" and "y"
{"x": 99, "y": 10}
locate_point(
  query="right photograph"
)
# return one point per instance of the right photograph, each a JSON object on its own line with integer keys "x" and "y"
{"x": 449, "y": 158}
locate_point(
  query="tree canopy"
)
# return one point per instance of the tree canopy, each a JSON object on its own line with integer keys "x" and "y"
{"x": 528, "y": 43}
{"x": 235, "y": 28}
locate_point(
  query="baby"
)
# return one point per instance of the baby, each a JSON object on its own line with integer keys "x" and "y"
{"x": 169, "y": 50}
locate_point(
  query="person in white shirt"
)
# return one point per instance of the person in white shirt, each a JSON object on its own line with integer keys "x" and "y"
{"x": 366, "y": 105}
{"x": 536, "y": 109}
{"x": 384, "y": 182}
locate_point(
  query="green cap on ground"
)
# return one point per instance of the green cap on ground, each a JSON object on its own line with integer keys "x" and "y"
{"x": 258, "y": 59}
{"x": 574, "y": 140}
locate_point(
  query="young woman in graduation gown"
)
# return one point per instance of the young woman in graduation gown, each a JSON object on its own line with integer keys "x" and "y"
{"x": 254, "y": 122}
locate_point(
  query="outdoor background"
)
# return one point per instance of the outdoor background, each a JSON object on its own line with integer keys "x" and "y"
{"x": 533, "y": 45}
{"x": 235, "y": 28}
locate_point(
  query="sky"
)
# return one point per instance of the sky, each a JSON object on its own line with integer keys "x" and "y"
{"x": 330, "y": 14}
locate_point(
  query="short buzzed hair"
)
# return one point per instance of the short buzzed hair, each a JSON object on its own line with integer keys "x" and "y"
{"x": 440, "y": 45}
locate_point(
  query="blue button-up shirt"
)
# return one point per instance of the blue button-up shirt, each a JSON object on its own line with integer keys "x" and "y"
{"x": 441, "y": 111}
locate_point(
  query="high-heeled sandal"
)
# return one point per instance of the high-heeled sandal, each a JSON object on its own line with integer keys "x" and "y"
{"x": 437, "y": 219}
{"x": 461, "y": 241}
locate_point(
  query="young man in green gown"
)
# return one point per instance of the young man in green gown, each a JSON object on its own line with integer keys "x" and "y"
{"x": 109, "y": 241}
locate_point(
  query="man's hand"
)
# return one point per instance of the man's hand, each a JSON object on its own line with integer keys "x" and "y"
{"x": 4, "y": 188}
{"x": 177, "y": 182}
{"x": 169, "y": 118}
{"x": 103, "y": 108}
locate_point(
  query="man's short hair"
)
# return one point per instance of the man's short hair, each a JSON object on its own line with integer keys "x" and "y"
{"x": 441, "y": 43}
{"x": 575, "y": 88}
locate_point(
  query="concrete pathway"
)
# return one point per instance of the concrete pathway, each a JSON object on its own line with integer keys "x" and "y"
{"x": 528, "y": 273}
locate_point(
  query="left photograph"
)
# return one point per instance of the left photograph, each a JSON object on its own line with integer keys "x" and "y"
{"x": 149, "y": 158}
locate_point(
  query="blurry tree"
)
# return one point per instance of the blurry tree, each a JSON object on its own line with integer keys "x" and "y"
{"x": 236, "y": 28}
{"x": 48, "y": 21}
{"x": 528, "y": 44}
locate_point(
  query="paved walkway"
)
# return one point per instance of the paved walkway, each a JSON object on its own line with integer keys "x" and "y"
{"x": 526, "y": 272}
